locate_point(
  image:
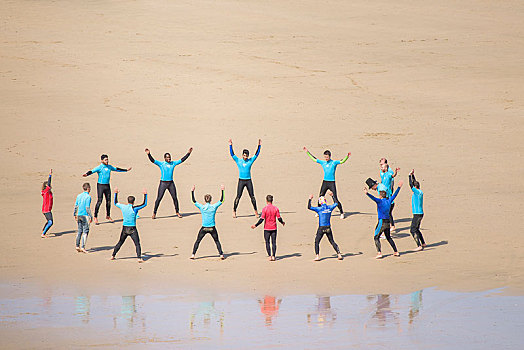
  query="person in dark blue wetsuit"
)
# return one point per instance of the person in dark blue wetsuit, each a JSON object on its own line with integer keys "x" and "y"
{"x": 129, "y": 212}
{"x": 102, "y": 187}
{"x": 417, "y": 200}
{"x": 383, "y": 210}
{"x": 167, "y": 167}
{"x": 324, "y": 224}
{"x": 387, "y": 175}
{"x": 329, "y": 166}
{"x": 244, "y": 175}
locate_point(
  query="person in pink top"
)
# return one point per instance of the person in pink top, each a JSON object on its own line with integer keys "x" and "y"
{"x": 270, "y": 214}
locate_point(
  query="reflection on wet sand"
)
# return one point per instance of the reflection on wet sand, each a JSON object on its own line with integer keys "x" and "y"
{"x": 269, "y": 307}
{"x": 206, "y": 315}
{"x": 325, "y": 316}
{"x": 416, "y": 304}
{"x": 82, "y": 308}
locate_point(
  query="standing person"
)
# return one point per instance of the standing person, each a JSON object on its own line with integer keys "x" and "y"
{"x": 244, "y": 175}
{"x": 129, "y": 212}
{"x": 387, "y": 176}
{"x": 47, "y": 204}
{"x": 102, "y": 187}
{"x": 418, "y": 213}
{"x": 167, "y": 167}
{"x": 270, "y": 214}
{"x": 83, "y": 217}
{"x": 329, "y": 166}
{"x": 208, "y": 211}
{"x": 324, "y": 224}
{"x": 383, "y": 225}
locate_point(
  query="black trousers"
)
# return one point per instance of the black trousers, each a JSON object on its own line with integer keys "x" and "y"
{"x": 384, "y": 229}
{"x": 330, "y": 185}
{"x": 162, "y": 187}
{"x": 325, "y": 230}
{"x": 103, "y": 190}
{"x": 129, "y": 231}
{"x": 392, "y": 222}
{"x": 415, "y": 229}
{"x": 271, "y": 235}
{"x": 240, "y": 188}
{"x": 204, "y": 231}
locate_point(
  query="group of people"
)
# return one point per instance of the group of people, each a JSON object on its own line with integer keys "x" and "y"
{"x": 269, "y": 216}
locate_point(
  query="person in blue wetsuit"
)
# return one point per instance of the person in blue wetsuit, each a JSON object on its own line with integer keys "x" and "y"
{"x": 383, "y": 209}
{"x": 417, "y": 200}
{"x": 167, "y": 167}
{"x": 129, "y": 212}
{"x": 244, "y": 175}
{"x": 102, "y": 187}
{"x": 387, "y": 176}
{"x": 208, "y": 211}
{"x": 330, "y": 166}
{"x": 324, "y": 224}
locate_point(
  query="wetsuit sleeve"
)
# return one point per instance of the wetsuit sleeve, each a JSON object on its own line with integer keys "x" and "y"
{"x": 256, "y": 153}
{"x": 76, "y": 207}
{"x": 344, "y": 160}
{"x": 373, "y": 198}
{"x": 183, "y": 159}
{"x": 411, "y": 180}
{"x": 49, "y": 181}
{"x": 95, "y": 170}
{"x": 281, "y": 221}
{"x": 259, "y": 222}
{"x": 193, "y": 196}
{"x": 151, "y": 159}
{"x": 313, "y": 158}
{"x": 222, "y": 197}
{"x": 395, "y": 194}
{"x": 333, "y": 206}
{"x": 88, "y": 207}
{"x": 89, "y": 172}
{"x": 232, "y": 153}
{"x": 116, "y": 198}
{"x": 120, "y": 170}
{"x": 141, "y": 206}
{"x": 315, "y": 209}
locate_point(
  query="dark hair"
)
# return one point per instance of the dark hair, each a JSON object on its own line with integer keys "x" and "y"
{"x": 416, "y": 184}
{"x": 207, "y": 198}
{"x": 385, "y": 160}
{"x": 167, "y": 154}
{"x": 44, "y": 185}
{"x": 131, "y": 199}
{"x": 86, "y": 186}
{"x": 269, "y": 198}
{"x": 327, "y": 153}
{"x": 103, "y": 156}
{"x": 246, "y": 152}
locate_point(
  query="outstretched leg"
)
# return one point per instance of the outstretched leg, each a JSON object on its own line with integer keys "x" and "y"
{"x": 172, "y": 190}
{"x": 240, "y": 189}
{"x": 392, "y": 222}
{"x": 214, "y": 234}
{"x": 333, "y": 188}
{"x": 123, "y": 236}
{"x": 100, "y": 197}
{"x": 48, "y": 224}
{"x": 376, "y": 237}
{"x": 107, "y": 195}
{"x": 390, "y": 240}
{"x": 318, "y": 237}
{"x": 329, "y": 235}
{"x": 162, "y": 187}
{"x": 251, "y": 192}
{"x": 136, "y": 240}
{"x": 200, "y": 235}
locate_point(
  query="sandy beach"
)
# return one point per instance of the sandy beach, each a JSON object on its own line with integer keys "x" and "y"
{"x": 438, "y": 88}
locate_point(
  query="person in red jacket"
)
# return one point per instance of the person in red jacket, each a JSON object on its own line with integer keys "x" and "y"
{"x": 47, "y": 204}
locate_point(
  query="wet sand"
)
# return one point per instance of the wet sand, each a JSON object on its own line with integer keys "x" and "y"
{"x": 437, "y": 88}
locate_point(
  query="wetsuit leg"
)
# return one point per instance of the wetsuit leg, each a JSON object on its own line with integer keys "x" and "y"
{"x": 318, "y": 237}
{"x": 49, "y": 223}
{"x": 251, "y": 192}
{"x": 415, "y": 229}
{"x": 389, "y": 239}
{"x": 200, "y": 235}
{"x": 267, "y": 235}
{"x": 323, "y": 189}
{"x": 333, "y": 188}
{"x": 329, "y": 234}
{"x": 391, "y": 214}
{"x": 80, "y": 230}
{"x": 172, "y": 190}
{"x": 378, "y": 233}
{"x": 100, "y": 195}
{"x": 136, "y": 240}
{"x": 274, "y": 242}
{"x": 162, "y": 187}
{"x": 240, "y": 189}
{"x": 123, "y": 236}
{"x": 85, "y": 231}
{"x": 214, "y": 234}
{"x": 107, "y": 194}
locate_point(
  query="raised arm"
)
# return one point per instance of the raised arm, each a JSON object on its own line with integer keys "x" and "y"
{"x": 411, "y": 178}
{"x": 144, "y": 204}
{"x": 258, "y": 148}
{"x": 49, "y": 179}
{"x": 313, "y": 158}
{"x": 193, "y": 194}
{"x": 345, "y": 159}
{"x": 231, "y": 152}
{"x": 395, "y": 172}
{"x": 116, "y": 196}
{"x": 183, "y": 159}
{"x": 151, "y": 159}
{"x": 222, "y": 196}
{"x": 397, "y": 191}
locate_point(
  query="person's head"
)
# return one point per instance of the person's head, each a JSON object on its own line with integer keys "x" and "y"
{"x": 382, "y": 190}
{"x": 269, "y": 199}
{"x": 383, "y": 194}
{"x": 44, "y": 185}
{"x": 384, "y": 167}
{"x": 383, "y": 161}
{"x": 86, "y": 187}
{"x": 322, "y": 200}
{"x": 416, "y": 184}
{"x": 327, "y": 155}
{"x": 245, "y": 154}
{"x": 131, "y": 199}
{"x": 167, "y": 157}
{"x": 105, "y": 159}
{"x": 207, "y": 198}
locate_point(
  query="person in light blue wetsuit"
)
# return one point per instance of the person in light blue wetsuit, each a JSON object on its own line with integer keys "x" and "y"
{"x": 129, "y": 212}
{"x": 83, "y": 217}
{"x": 417, "y": 200}
{"x": 329, "y": 166}
{"x": 244, "y": 175}
{"x": 324, "y": 224}
{"x": 102, "y": 187}
{"x": 387, "y": 176}
{"x": 208, "y": 211}
{"x": 383, "y": 210}
{"x": 167, "y": 167}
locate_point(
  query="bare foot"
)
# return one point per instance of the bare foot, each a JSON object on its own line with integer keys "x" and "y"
{"x": 317, "y": 258}
{"x": 95, "y": 219}
{"x": 153, "y": 216}
{"x": 140, "y": 260}
{"x": 43, "y": 236}
{"x": 78, "y": 249}
{"x": 339, "y": 256}
{"x": 222, "y": 257}
{"x": 179, "y": 215}
{"x": 83, "y": 250}
{"x": 109, "y": 218}
{"x": 342, "y": 216}
{"x": 270, "y": 258}
{"x": 419, "y": 249}
{"x": 192, "y": 257}
{"x": 273, "y": 258}
{"x": 234, "y": 214}
{"x": 393, "y": 228}
{"x": 112, "y": 258}
{"x": 397, "y": 254}
{"x": 379, "y": 256}
{"x": 424, "y": 245}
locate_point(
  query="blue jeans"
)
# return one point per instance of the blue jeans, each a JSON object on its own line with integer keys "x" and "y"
{"x": 83, "y": 230}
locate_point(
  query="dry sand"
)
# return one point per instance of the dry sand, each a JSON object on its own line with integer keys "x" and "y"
{"x": 438, "y": 88}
